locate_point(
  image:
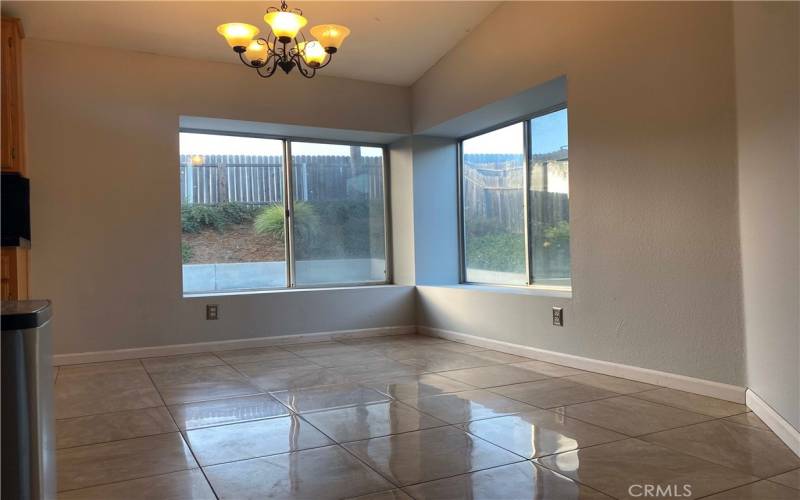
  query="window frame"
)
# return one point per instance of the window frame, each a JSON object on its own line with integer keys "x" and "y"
{"x": 288, "y": 208}
{"x": 526, "y": 165}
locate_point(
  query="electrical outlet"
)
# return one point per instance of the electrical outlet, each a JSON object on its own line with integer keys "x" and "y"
{"x": 558, "y": 316}
{"x": 212, "y": 311}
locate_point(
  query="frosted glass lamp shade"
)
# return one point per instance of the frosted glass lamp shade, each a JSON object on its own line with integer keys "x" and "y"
{"x": 285, "y": 25}
{"x": 331, "y": 36}
{"x": 257, "y": 50}
{"x": 313, "y": 53}
{"x": 237, "y": 34}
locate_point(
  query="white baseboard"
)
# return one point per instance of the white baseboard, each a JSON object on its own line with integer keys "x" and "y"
{"x": 783, "y": 429}
{"x": 226, "y": 345}
{"x": 681, "y": 382}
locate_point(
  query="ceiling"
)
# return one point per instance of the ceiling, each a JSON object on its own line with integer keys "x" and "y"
{"x": 391, "y": 42}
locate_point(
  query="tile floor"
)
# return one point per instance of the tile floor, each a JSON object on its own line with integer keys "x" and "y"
{"x": 399, "y": 417}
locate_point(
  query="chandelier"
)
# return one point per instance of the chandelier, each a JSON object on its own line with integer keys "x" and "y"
{"x": 285, "y": 46}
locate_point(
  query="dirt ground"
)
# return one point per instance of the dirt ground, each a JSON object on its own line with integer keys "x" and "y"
{"x": 236, "y": 244}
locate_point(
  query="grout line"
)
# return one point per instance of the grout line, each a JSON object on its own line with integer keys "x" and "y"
{"x": 183, "y": 439}
{"x": 133, "y": 479}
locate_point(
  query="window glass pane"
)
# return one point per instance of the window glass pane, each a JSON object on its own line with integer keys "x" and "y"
{"x": 339, "y": 233}
{"x": 231, "y": 213}
{"x": 549, "y": 199}
{"x": 493, "y": 191}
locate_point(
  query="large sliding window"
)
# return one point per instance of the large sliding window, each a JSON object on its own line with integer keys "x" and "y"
{"x": 514, "y": 194}
{"x": 242, "y": 230}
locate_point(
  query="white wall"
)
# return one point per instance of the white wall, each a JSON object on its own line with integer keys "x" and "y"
{"x": 103, "y": 149}
{"x": 767, "y": 41}
{"x": 656, "y": 271}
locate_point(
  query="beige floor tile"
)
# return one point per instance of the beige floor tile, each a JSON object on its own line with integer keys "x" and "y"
{"x": 226, "y": 443}
{"x": 540, "y": 432}
{"x": 614, "y": 384}
{"x": 469, "y": 405}
{"x": 293, "y": 377}
{"x": 101, "y": 368}
{"x": 549, "y": 369}
{"x": 105, "y": 427}
{"x": 227, "y": 411}
{"x": 164, "y": 363}
{"x": 750, "y": 419}
{"x": 553, "y": 392}
{"x": 499, "y": 357}
{"x": 322, "y": 349}
{"x": 182, "y": 485}
{"x": 348, "y": 359}
{"x": 762, "y": 490}
{"x": 189, "y": 385}
{"x": 614, "y": 467}
{"x": 103, "y": 463}
{"x": 746, "y": 449}
{"x": 522, "y": 480}
{"x": 255, "y": 355}
{"x": 89, "y": 392}
{"x": 383, "y": 495}
{"x": 318, "y": 474}
{"x": 328, "y": 397}
{"x": 375, "y": 420}
{"x": 377, "y": 370}
{"x": 418, "y": 386}
{"x": 632, "y": 416}
{"x": 430, "y": 454}
{"x": 458, "y": 347}
{"x": 256, "y": 368}
{"x": 693, "y": 402}
{"x": 493, "y": 376}
{"x": 790, "y": 479}
{"x": 439, "y": 361}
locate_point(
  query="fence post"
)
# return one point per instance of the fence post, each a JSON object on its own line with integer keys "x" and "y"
{"x": 222, "y": 183}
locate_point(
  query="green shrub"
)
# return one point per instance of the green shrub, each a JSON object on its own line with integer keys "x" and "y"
{"x": 306, "y": 223}
{"x": 195, "y": 217}
{"x": 497, "y": 252}
{"x": 186, "y": 252}
{"x": 557, "y": 235}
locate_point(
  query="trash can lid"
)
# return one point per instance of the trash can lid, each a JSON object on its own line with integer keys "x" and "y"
{"x": 24, "y": 314}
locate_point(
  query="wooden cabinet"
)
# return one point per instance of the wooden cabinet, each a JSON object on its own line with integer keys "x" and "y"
{"x": 14, "y": 261}
{"x": 14, "y": 282}
{"x": 12, "y": 143}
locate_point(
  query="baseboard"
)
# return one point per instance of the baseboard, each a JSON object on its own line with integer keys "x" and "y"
{"x": 783, "y": 429}
{"x": 226, "y": 345}
{"x": 681, "y": 382}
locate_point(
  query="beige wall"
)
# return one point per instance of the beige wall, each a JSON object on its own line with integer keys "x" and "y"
{"x": 103, "y": 148}
{"x": 656, "y": 268}
{"x": 767, "y": 42}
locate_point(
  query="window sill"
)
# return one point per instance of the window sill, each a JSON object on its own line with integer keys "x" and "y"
{"x": 537, "y": 291}
{"x": 271, "y": 291}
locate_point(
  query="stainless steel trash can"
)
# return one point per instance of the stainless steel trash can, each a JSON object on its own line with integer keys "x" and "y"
{"x": 28, "y": 440}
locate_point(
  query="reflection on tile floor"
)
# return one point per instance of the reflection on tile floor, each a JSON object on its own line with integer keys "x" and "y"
{"x": 395, "y": 418}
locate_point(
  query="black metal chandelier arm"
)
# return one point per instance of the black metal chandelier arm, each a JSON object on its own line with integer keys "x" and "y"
{"x": 305, "y": 70}
{"x": 330, "y": 58}
{"x": 269, "y": 70}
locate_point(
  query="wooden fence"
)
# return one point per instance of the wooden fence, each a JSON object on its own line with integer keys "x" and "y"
{"x": 259, "y": 179}
{"x": 493, "y": 191}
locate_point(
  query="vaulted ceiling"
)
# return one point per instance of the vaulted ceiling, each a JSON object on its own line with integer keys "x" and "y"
{"x": 391, "y": 42}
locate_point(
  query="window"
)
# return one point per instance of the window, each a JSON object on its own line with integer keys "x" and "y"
{"x": 235, "y": 211}
{"x": 515, "y": 204}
